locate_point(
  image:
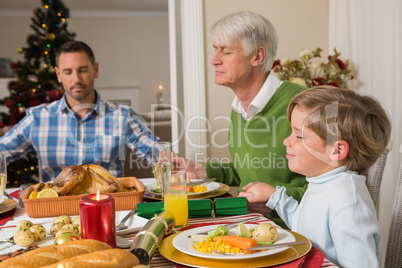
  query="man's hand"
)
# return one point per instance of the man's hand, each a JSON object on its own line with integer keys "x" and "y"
{"x": 194, "y": 171}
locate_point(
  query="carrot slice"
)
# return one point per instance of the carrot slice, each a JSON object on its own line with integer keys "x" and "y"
{"x": 237, "y": 241}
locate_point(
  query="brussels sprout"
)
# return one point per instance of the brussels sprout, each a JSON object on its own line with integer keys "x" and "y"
{"x": 223, "y": 229}
{"x": 220, "y": 230}
{"x": 242, "y": 231}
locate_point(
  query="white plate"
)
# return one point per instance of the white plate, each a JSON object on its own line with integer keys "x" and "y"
{"x": 151, "y": 185}
{"x": 134, "y": 224}
{"x": 186, "y": 245}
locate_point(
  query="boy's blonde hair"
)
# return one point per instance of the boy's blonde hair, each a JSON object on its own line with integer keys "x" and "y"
{"x": 342, "y": 114}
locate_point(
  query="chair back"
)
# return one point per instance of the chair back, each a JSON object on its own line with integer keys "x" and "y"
{"x": 393, "y": 256}
{"x": 374, "y": 176}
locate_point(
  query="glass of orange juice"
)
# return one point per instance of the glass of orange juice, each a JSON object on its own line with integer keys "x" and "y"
{"x": 175, "y": 196}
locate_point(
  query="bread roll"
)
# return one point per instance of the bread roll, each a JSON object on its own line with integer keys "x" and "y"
{"x": 51, "y": 254}
{"x": 114, "y": 257}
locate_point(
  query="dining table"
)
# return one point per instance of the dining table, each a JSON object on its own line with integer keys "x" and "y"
{"x": 167, "y": 255}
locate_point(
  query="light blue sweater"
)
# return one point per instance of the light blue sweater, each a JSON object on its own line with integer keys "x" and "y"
{"x": 337, "y": 214}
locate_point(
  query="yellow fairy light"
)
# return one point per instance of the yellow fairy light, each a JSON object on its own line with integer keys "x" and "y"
{"x": 63, "y": 19}
{"x": 160, "y": 87}
{"x": 59, "y": 14}
{"x": 46, "y": 6}
{"x": 25, "y": 169}
{"x": 32, "y": 168}
{"x": 20, "y": 108}
{"x": 43, "y": 25}
{"x": 33, "y": 90}
{"x": 44, "y": 65}
{"x": 46, "y": 52}
{"x": 18, "y": 172}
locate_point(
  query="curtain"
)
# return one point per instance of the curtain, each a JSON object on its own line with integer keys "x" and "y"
{"x": 369, "y": 34}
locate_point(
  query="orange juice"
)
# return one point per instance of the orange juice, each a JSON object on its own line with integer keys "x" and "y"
{"x": 176, "y": 202}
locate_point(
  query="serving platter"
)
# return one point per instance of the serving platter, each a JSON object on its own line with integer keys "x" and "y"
{"x": 70, "y": 205}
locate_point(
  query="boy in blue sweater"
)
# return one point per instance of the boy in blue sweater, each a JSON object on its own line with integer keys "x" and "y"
{"x": 336, "y": 136}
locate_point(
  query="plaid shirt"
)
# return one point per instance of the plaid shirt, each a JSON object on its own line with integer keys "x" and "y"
{"x": 60, "y": 138}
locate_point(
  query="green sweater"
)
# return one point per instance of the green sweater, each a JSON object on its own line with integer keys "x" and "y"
{"x": 257, "y": 150}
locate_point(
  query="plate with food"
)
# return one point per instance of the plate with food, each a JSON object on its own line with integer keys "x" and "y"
{"x": 238, "y": 238}
{"x": 199, "y": 189}
{"x": 26, "y": 233}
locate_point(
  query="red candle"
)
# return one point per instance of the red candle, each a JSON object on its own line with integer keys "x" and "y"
{"x": 98, "y": 218}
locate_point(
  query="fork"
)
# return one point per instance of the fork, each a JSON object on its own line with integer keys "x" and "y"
{"x": 122, "y": 225}
{"x": 278, "y": 245}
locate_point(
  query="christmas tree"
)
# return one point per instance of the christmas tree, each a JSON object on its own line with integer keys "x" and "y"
{"x": 36, "y": 81}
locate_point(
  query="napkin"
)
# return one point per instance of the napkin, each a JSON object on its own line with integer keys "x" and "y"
{"x": 230, "y": 206}
{"x": 6, "y": 216}
{"x": 15, "y": 194}
{"x": 196, "y": 208}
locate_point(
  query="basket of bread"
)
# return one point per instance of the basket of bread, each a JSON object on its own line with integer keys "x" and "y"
{"x": 62, "y": 196}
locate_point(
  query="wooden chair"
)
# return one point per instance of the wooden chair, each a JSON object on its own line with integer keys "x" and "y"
{"x": 374, "y": 176}
{"x": 393, "y": 256}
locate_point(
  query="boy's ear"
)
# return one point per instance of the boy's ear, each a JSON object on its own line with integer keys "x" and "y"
{"x": 341, "y": 150}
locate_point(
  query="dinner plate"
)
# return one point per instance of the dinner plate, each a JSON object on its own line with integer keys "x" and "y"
{"x": 150, "y": 185}
{"x": 168, "y": 251}
{"x": 7, "y": 205}
{"x": 6, "y": 233}
{"x": 186, "y": 245}
{"x": 134, "y": 224}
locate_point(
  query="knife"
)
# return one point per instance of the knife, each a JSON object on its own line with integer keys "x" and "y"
{"x": 200, "y": 182}
{"x": 229, "y": 226}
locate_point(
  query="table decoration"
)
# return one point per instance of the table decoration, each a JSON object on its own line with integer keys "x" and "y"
{"x": 151, "y": 235}
{"x": 230, "y": 206}
{"x": 196, "y": 208}
{"x": 98, "y": 218}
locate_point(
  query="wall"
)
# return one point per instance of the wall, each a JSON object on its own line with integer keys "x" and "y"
{"x": 131, "y": 50}
{"x": 300, "y": 25}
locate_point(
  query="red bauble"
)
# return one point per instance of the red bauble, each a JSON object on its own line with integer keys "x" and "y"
{"x": 1, "y": 124}
{"x": 13, "y": 65}
{"x": 34, "y": 102}
{"x": 10, "y": 103}
{"x": 54, "y": 94}
{"x": 15, "y": 117}
{"x": 12, "y": 85}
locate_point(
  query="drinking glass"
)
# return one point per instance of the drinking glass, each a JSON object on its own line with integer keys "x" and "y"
{"x": 175, "y": 196}
{"x": 161, "y": 154}
{"x": 3, "y": 175}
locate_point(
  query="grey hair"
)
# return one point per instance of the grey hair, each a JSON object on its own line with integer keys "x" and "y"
{"x": 251, "y": 30}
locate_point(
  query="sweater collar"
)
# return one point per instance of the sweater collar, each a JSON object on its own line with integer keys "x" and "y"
{"x": 328, "y": 176}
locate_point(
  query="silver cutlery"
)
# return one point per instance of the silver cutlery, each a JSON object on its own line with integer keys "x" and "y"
{"x": 8, "y": 240}
{"x": 278, "y": 245}
{"x": 122, "y": 225}
{"x": 229, "y": 226}
{"x": 202, "y": 182}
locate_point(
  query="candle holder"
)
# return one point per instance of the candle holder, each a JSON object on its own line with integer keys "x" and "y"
{"x": 98, "y": 218}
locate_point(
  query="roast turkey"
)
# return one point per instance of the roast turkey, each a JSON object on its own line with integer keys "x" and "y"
{"x": 86, "y": 179}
